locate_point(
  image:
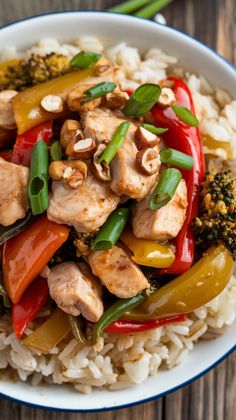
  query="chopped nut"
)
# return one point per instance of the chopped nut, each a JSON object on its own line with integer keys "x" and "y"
{"x": 103, "y": 67}
{"x": 116, "y": 99}
{"x": 52, "y": 103}
{"x": 148, "y": 161}
{"x": 144, "y": 138}
{"x": 101, "y": 170}
{"x": 73, "y": 171}
{"x": 166, "y": 83}
{"x": 70, "y": 131}
{"x": 76, "y": 95}
{"x": 166, "y": 98}
{"x": 82, "y": 149}
{"x": 7, "y": 119}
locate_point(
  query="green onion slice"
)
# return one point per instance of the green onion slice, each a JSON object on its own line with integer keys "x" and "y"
{"x": 96, "y": 91}
{"x": 110, "y": 232}
{"x": 84, "y": 60}
{"x": 115, "y": 143}
{"x": 142, "y": 100}
{"x": 153, "y": 129}
{"x": 38, "y": 184}
{"x": 185, "y": 115}
{"x": 175, "y": 158}
{"x": 165, "y": 189}
{"x": 55, "y": 151}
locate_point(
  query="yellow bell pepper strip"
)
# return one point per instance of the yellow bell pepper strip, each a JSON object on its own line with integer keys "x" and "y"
{"x": 148, "y": 253}
{"x": 26, "y": 104}
{"x": 200, "y": 284}
{"x": 215, "y": 147}
{"x": 49, "y": 334}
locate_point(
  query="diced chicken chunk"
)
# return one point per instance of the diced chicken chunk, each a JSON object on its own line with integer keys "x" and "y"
{"x": 126, "y": 179}
{"x": 75, "y": 290}
{"x": 85, "y": 207}
{"x": 162, "y": 224}
{"x": 13, "y": 192}
{"x": 117, "y": 272}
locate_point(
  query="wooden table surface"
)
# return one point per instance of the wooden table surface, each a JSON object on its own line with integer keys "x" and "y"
{"x": 214, "y": 395}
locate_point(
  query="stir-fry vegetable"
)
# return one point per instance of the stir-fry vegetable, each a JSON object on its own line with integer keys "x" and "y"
{"x": 165, "y": 189}
{"x": 175, "y": 158}
{"x": 97, "y": 91}
{"x": 8, "y": 232}
{"x": 25, "y": 142}
{"x": 187, "y": 140}
{"x": 55, "y": 151}
{"x": 155, "y": 6}
{"x": 84, "y": 60}
{"x": 38, "y": 184}
{"x": 201, "y": 283}
{"x": 6, "y": 155}
{"x": 123, "y": 326}
{"x": 113, "y": 313}
{"x": 116, "y": 142}
{"x": 31, "y": 302}
{"x": 214, "y": 147}
{"x": 153, "y": 129}
{"x": 185, "y": 115}
{"x": 4, "y": 69}
{"x": 142, "y": 100}
{"x": 25, "y": 255}
{"x": 49, "y": 334}
{"x": 110, "y": 232}
{"x": 148, "y": 253}
{"x": 26, "y": 105}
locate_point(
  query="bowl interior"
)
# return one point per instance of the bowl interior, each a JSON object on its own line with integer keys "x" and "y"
{"x": 194, "y": 57}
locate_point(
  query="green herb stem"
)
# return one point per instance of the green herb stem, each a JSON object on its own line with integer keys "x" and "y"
{"x": 165, "y": 189}
{"x": 155, "y": 7}
{"x": 38, "y": 184}
{"x": 175, "y": 158}
{"x": 128, "y": 6}
{"x": 110, "y": 232}
{"x": 115, "y": 143}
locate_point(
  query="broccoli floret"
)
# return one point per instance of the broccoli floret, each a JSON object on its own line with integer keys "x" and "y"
{"x": 37, "y": 69}
{"x": 217, "y": 218}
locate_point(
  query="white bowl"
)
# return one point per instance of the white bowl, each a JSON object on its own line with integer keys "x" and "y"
{"x": 193, "y": 56}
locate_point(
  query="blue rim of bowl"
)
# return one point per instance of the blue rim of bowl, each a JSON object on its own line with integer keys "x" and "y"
{"x": 221, "y": 359}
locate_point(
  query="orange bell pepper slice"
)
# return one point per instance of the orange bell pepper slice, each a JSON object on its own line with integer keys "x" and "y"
{"x": 25, "y": 255}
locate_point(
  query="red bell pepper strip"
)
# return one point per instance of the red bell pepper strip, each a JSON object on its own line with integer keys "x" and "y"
{"x": 129, "y": 327}
{"x": 25, "y": 255}
{"x": 31, "y": 302}
{"x": 187, "y": 140}
{"x": 25, "y": 142}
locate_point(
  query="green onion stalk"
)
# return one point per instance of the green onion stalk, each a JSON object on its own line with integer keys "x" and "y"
{"x": 38, "y": 183}
{"x": 175, "y": 158}
{"x": 142, "y": 100}
{"x": 116, "y": 142}
{"x": 165, "y": 189}
{"x": 97, "y": 91}
{"x": 185, "y": 115}
{"x": 84, "y": 60}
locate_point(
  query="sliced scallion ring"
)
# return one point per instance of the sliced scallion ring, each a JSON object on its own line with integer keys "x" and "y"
{"x": 165, "y": 189}
{"x": 185, "y": 115}
{"x": 38, "y": 184}
{"x": 175, "y": 158}
{"x": 153, "y": 129}
{"x": 84, "y": 60}
{"x": 115, "y": 143}
{"x": 142, "y": 100}
{"x": 97, "y": 91}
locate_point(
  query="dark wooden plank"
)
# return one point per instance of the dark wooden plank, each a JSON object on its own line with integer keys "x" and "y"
{"x": 212, "y": 396}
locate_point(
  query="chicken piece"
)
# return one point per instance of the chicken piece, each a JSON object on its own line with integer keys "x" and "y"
{"x": 85, "y": 207}
{"x": 162, "y": 224}
{"x": 75, "y": 290}
{"x": 126, "y": 179}
{"x": 117, "y": 272}
{"x": 13, "y": 193}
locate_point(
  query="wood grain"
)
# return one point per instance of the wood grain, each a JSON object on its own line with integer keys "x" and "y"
{"x": 212, "y": 397}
